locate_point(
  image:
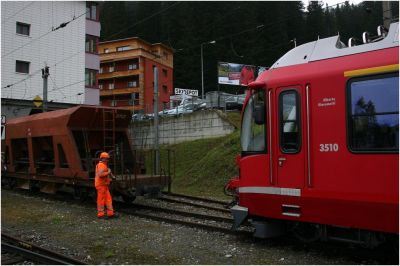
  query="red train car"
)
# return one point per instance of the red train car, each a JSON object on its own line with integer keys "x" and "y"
{"x": 59, "y": 150}
{"x": 320, "y": 143}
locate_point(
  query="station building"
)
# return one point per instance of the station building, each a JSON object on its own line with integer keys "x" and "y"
{"x": 61, "y": 35}
{"x": 126, "y": 78}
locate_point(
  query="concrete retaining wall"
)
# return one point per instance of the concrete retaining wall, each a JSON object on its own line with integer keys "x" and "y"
{"x": 172, "y": 130}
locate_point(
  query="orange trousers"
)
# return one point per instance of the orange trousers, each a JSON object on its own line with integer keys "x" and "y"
{"x": 104, "y": 201}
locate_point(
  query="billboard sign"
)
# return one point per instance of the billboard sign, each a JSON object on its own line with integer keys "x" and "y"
{"x": 179, "y": 91}
{"x": 238, "y": 74}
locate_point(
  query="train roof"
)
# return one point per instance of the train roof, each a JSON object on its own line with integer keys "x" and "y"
{"x": 82, "y": 116}
{"x": 57, "y": 114}
{"x": 332, "y": 47}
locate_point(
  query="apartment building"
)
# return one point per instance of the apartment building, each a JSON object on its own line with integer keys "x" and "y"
{"x": 62, "y": 35}
{"x": 126, "y": 78}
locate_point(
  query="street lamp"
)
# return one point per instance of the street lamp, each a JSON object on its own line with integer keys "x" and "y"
{"x": 202, "y": 74}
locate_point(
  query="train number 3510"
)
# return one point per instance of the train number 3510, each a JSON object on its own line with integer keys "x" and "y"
{"x": 329, "y": 147}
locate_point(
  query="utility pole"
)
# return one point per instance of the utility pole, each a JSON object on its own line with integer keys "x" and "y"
{"x": 202, "y": 71}
{"x": 45, "y": 74}
{"x": 387, "y": 14}
{"x": 202, "y": 75}
{"x": 156, "y": 136}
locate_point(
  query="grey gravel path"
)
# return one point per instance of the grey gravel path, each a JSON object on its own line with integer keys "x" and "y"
{"x": 74, "y": 230}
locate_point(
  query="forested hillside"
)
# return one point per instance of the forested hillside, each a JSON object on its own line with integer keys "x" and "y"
{"x": 255, "y": 32}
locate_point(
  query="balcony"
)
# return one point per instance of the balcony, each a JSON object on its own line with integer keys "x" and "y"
{"x": 119, "y": 74}
{"x": 131, "y": 108}
{"x": 107, "y": 92}
{"x": 134, "y": 53}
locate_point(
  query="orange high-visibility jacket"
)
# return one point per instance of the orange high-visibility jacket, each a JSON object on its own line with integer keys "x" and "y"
{"x": 102, "y": 173}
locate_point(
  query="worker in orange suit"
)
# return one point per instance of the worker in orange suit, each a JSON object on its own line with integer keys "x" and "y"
{"x": 102, "y": 182}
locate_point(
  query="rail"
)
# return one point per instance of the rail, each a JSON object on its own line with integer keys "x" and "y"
{"x": 34, "y": 252}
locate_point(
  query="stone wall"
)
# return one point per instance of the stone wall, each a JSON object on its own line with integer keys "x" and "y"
{"x": 172, "y": 130}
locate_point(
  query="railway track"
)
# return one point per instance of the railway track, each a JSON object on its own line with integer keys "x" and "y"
{"x": 15, "y": 251}
{"x": 196, "y": 198}
{"x": 191, "y": 219}
{"x": 209, "y": 204}
{"x": 218, "y": 221}
{"x": 383, "y": 256}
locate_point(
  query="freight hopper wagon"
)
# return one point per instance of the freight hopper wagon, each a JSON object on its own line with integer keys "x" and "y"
{"x": 59, "y": 149}
{"x": 320, "y": 143}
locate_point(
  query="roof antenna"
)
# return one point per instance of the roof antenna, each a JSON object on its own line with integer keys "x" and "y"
{"x": 382, "y": 32}
{"x": 365, "y": 37}
{"x": 294, "y": 41}
{"x": 352, "y": 42}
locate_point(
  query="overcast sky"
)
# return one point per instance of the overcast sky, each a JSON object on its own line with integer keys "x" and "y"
{"x": 334, "y": 2}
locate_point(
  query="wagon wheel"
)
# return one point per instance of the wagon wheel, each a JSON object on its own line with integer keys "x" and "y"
{"x": 8, "y": 182}
{"x": 81, "y": 194}
{"x": 34, "y": 186}
{"x": 92, "y": 195}
{"x": 129, "y": 197}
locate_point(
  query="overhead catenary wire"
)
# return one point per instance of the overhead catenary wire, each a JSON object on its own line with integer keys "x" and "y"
{"x": 62, "y": 25}
{"x": 261, "y": 26}
{"x": 65, "y": 86}
{"x": 147, "y": 18}
{"x": 258, "y": 27}
{"x": 39, "y": 70}
{"x": 208, "y": 25}
{"x": 25, "y": 7}
{"x": 55, "y": 86}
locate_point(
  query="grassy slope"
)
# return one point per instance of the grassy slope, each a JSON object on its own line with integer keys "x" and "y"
{"x": 204, "y": 166}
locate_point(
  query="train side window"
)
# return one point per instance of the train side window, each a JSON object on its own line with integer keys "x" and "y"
{"x": 252, "y": 137}
{"x": 373, "y": 113}
{"x": 289, "y": 118}
{"x": 61, "y": 156}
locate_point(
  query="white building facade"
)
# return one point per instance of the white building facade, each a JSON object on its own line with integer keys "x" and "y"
{"x": 61, "y": 35}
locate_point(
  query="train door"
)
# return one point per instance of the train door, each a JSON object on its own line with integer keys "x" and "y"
{"x": 290, "y": 146}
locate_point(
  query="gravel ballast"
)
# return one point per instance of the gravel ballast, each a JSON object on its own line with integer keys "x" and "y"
{"x": 74, "y": 230}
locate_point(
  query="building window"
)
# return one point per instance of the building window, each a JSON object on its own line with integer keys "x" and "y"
{"x": 90, "y": 77}
{"x": 111, "y": 69}
{"x": 91, "y": 44}
{"x": 165, "y": 72}
{"x": 165, "y": 54}
{"x": 132, "y": 84}
{"x": 373, "y": 113}
{"x": 165, "y": 88}
{"x": 134, "y": 99}
{"x": 23, "y": 28}
{"x": 101, "y": 70}
{"x": 106, "y": 51}
{"x": 100, "y": 86}
{"x": 22, "y": 67}
{"x": 123, "y": 48}
{"x": 91, "y": 10}
{"x": 111, "y": 86}
{"x": 132, "y": 66}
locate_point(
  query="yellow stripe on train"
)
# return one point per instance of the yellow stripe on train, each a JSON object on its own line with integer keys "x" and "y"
{"x": 371, "y": 70}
